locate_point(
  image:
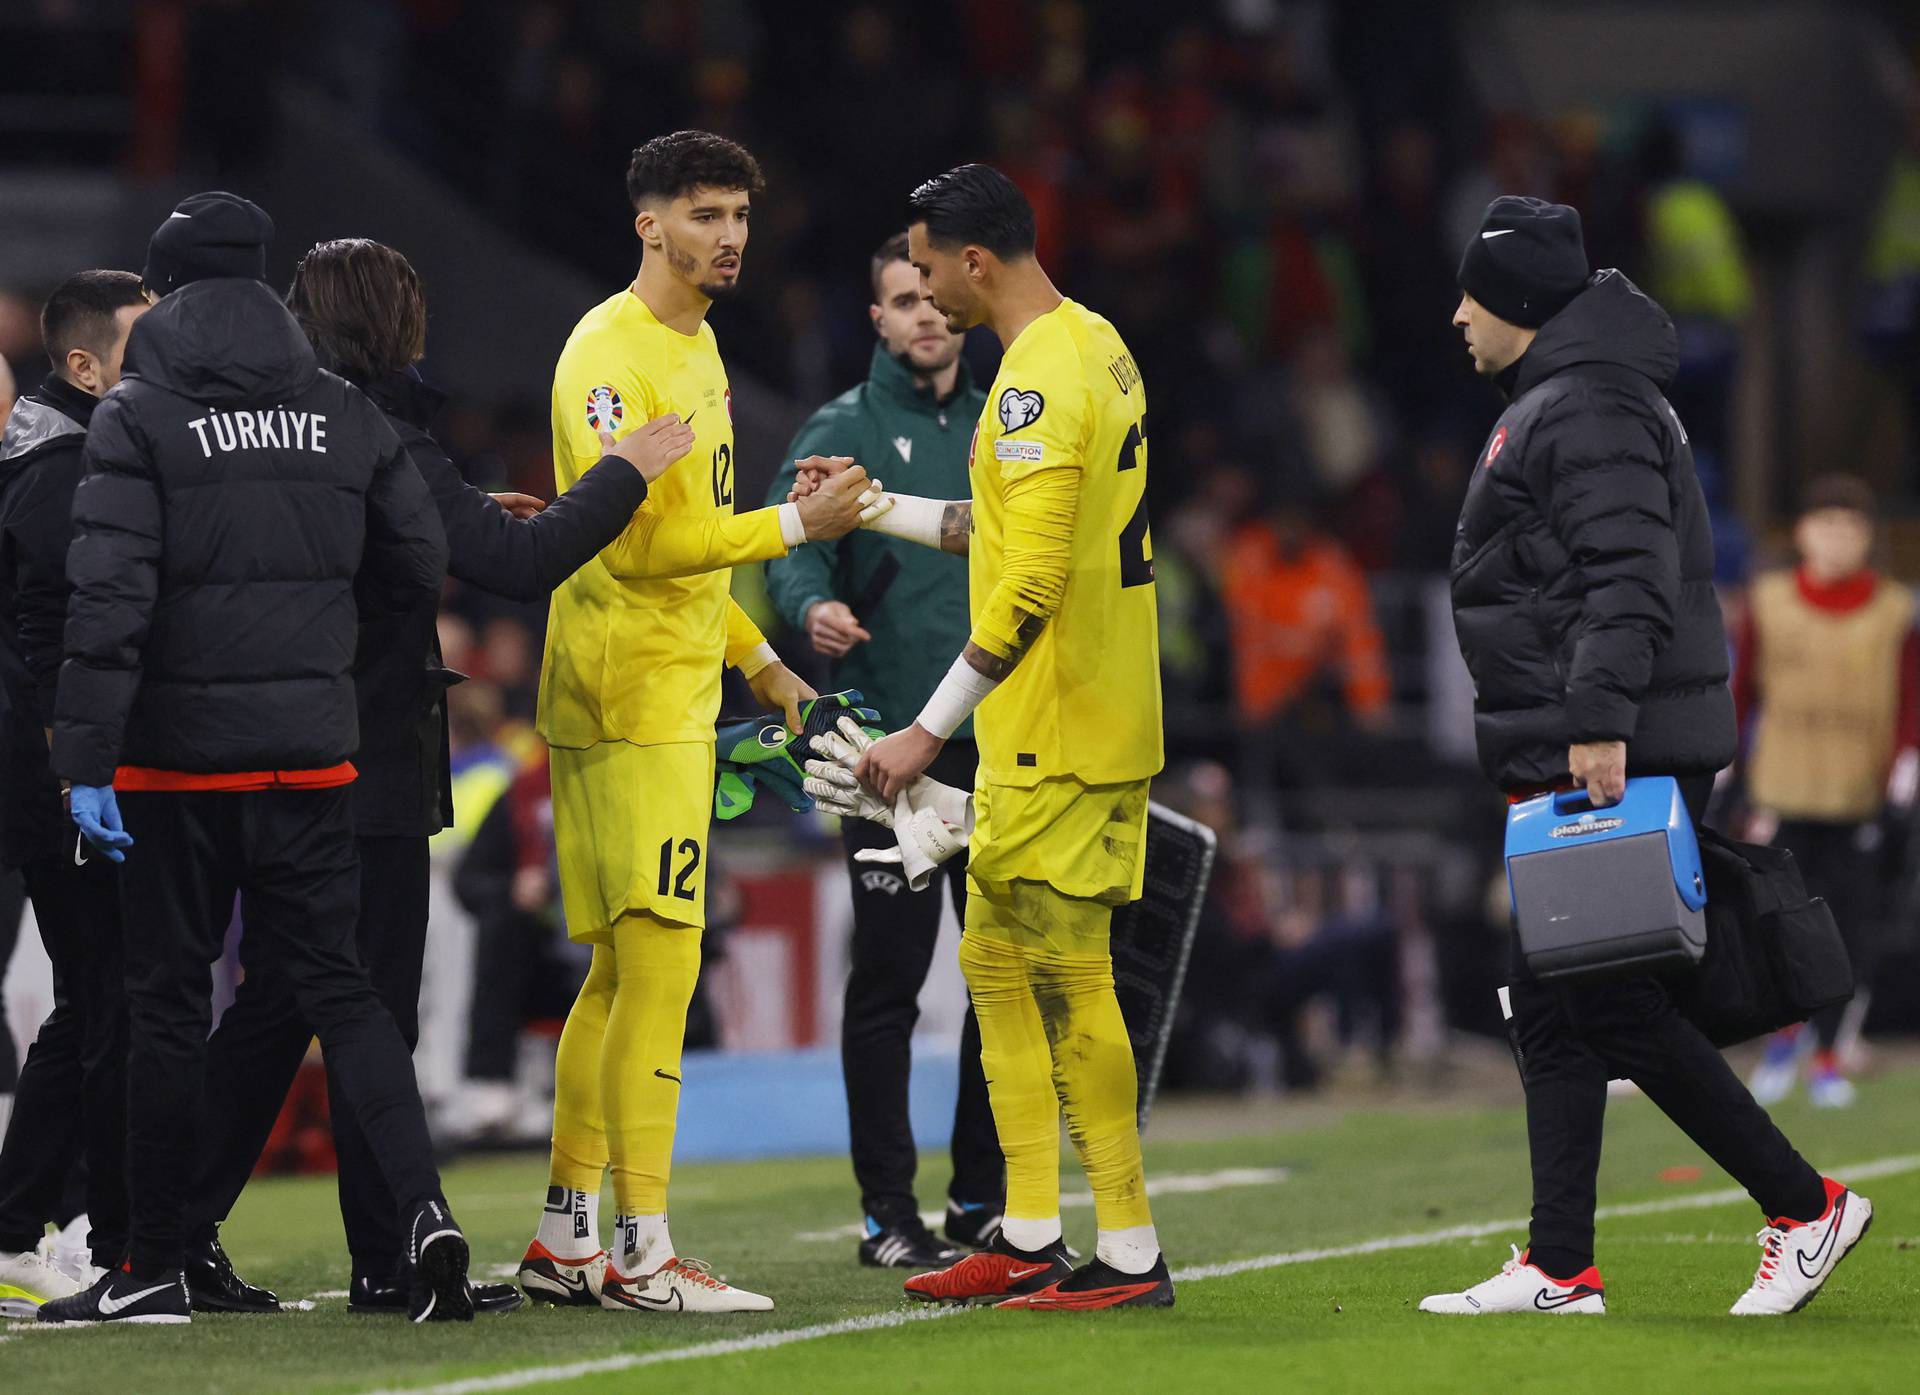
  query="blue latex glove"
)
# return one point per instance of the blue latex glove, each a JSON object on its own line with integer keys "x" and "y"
{"x": 97, "y": 812}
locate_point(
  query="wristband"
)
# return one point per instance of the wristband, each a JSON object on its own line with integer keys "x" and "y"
{"x": 793, "y": 529}
{"x": 913, "y": 518}
{"x": 962, "y": 690}
{"x": 757, "y": 659}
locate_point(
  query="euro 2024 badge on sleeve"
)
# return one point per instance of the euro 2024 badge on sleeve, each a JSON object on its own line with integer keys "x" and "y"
{"x": 605, "y": 410}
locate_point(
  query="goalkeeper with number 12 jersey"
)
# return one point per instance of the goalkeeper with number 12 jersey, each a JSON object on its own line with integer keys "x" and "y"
{"x": 1062, "y": 676}
{"x": 629, "y": 689}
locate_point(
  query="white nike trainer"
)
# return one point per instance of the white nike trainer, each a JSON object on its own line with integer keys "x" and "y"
{"x": 28, "y": 1279}
{"x": 1519, "y": 1287}
{"x": 1797, "y": 1256}
{"x": 678, "y": 1286}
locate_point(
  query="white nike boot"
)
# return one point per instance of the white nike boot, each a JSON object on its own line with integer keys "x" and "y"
{"x": 1797, "y": 1256}
{"x": 1521, "y": 1288}
{"x": 28, "y": 1279}
{"x": 678, "y": 1286}
{"x": 551, "y": 1278}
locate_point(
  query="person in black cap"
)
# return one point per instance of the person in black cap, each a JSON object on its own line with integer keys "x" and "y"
{"x": 240, "y": 506}
{"x": 1583, "y": 600}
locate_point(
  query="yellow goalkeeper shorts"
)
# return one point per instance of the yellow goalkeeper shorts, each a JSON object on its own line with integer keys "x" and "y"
{"x": 630, "y": 829}
{"x": 1088, "y": 841}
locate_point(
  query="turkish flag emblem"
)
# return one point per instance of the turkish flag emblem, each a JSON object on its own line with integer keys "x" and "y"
{"x": 1495, "y": 446}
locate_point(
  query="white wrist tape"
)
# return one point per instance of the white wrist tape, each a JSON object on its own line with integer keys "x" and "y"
{"x": 913, "y": 518}
{"x": 962, "y": 690}
{"x": 758, "y": 659}
{"x": 793, "y": 529}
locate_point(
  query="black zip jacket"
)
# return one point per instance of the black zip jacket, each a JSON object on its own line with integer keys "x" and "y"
{"x": 40, "y": 467}
{"x": 405, "y": 787}
{"x": 233, "y": 491}
{"x": 1583, "y": 564}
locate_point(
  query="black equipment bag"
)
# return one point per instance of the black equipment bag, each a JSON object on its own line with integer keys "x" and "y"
{"x": 1774, "y": 955}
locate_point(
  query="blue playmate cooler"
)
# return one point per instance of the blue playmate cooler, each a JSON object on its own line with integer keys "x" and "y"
{"x": 1598, "y": 892}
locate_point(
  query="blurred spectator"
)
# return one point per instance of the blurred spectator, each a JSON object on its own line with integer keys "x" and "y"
{"x": 1274, "y": 940}
{"x": 1697, "y": 270}
{"x": 523, "y": 967}
{"x": 1892, "y": 319}
{"x": 7, "y": 390}
{"x": 1828, "y": 676}
{"x": 1301, "y": 618}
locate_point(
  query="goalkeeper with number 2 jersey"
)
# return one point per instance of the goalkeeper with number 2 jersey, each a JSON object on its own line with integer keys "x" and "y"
{"x": 629, "y": 690}
{"x": 1061, "y": 675}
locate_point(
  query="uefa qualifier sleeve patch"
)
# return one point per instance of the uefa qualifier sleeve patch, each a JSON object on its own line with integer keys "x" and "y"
{"x": 605, "y": 410}
{"x": 1020, "y": 409}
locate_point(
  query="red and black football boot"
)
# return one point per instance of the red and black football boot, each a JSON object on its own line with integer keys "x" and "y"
{"x": 999, "y": 1271}
{"x": 1100, "y": 1285}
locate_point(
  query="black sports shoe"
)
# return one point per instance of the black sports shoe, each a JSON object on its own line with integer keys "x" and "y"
{"x": 367, "y": 1294}
{"x": 973, "y": 1223}
{"x": 437, "y": 1259}
{"x": 120, "y": 1297}
{"x": 1100, "y": 1285}
{"x": 216, "y": 1288}
{"x": 904, "y": 1244}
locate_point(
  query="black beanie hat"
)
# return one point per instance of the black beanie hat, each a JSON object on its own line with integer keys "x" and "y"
{"x": 1526, "y": 261}
{"x": 208, "y": 235}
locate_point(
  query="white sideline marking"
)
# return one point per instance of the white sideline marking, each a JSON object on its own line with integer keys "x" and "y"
{"x": 576, "y": 1370}
{"x": 1177, "y": 1183}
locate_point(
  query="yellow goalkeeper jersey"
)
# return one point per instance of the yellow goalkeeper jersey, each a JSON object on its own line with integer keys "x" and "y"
{"x": 637, "y": 638}
{"x": 1084, "y": 701}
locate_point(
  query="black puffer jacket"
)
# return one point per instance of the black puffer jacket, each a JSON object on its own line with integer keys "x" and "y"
{"x": 40, "y": 467}
{"x": 233, "y": 491}
{"x": 1583, "y": 564}
{"x": 405, "y": 788}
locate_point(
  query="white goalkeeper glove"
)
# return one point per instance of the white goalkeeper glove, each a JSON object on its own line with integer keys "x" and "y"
{"x": 932, "y": 822}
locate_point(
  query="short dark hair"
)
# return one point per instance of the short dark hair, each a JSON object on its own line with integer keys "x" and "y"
{"x": 668, "y": 166}
{"x": 894, "y": 249}
{"x": 79, "y": 315}
{"x": 362, "y": 305}
{"x": 977, "y": 205}
{"x": 1848, "y": 492}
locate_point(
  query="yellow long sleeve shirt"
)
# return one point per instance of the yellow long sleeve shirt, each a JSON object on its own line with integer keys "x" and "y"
{"x": 638, "y": 638}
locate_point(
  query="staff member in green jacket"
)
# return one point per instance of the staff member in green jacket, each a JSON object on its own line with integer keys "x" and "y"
{"x": 887, "y": 612}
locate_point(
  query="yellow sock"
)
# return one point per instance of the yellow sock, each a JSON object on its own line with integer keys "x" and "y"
{"x": 1099, "y": 1088}
{"x": 657, "y": 965}
{"x": 579, "y": 1157}
{"x": 1019, "y": 1071}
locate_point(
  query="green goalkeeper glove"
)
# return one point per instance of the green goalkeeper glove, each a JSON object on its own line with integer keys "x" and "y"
{"x": 755, "y": 754}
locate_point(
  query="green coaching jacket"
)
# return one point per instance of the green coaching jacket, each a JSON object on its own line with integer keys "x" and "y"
{"x": 911, "y": 599}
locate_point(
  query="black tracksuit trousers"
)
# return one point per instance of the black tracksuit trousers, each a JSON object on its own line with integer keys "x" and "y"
{"x": 1575, "y": 1037}
{"x": 72, "y": 1095}
{"x": 256, "y": 1051}
{"x": 290, "y": 856}
{"x": 1841, "y": 862}
{"x": 894, "y": 933}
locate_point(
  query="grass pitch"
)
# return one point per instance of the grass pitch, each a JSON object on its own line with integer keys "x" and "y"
{"x": 1304, "y": 1249}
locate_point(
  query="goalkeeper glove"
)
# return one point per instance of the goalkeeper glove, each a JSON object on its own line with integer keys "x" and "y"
{"x": 821, "y": 716}
{"x": 756, "y": 753}
{"x": 931, "y": 821}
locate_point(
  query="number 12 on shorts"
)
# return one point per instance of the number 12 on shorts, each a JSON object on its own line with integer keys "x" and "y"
{"x": 679, "y": 884}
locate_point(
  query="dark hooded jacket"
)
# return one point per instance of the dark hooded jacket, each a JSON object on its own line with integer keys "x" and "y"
{"x": 233, "y": 491}
{"x": 1583, "y": 563}
{"x": 405, "y": 787}
{"x": 40, "y": 467}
